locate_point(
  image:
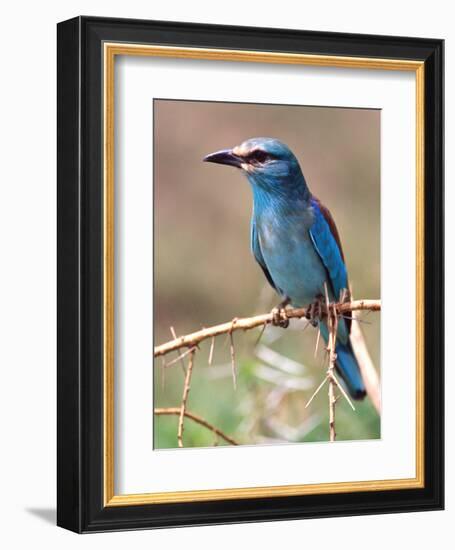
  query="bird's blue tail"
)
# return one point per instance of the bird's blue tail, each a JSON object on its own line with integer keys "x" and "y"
{"x": 347, "y": 366}
{"x": 348, "y": 369}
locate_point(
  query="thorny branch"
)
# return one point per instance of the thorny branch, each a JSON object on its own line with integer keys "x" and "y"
{"x": 248, "y": 323}
{"x": 330, "y": 311}
{"x": 332, "y": 323}
{"x": 196, "y": 418}
{"x": 186, "y": 391}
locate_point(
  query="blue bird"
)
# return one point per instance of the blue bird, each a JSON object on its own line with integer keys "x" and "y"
{"x": 294, "y": 238}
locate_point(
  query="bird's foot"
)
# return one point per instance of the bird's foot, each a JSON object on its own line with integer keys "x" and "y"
{"x": 279, "y": 316}
{"x": 314, "y": 311}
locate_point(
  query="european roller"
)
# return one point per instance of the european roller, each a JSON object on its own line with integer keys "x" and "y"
{"x": 294, "y": 238}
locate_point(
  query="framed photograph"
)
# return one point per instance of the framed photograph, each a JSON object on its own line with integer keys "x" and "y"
{"x": 250, "y": 274}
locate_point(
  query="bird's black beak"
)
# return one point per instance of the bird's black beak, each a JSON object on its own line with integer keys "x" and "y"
{"x": 226, "y": 156}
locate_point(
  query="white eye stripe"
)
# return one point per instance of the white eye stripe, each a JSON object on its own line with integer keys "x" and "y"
{"x": 240, "y": 151}
{"x": 254, "y": 157}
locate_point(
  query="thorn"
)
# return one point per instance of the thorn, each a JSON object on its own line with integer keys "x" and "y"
{"x": 318, "y": 389}
{"x": 356, "y": 319}
{"x": 174, "y": 335}
{"x": 231, "y": 338}
{"x": 345, "y": 395}
{"x": 317, "y": 341}
{"x": 234, "y": 374}
{"x": 261, "y": 333}
{"x": 212, "y": 347}
{"x": 327, "y": 302}
{"x": 181, "y": 356}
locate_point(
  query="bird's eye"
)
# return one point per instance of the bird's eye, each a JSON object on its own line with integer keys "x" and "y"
{"x": 258, "y": 156}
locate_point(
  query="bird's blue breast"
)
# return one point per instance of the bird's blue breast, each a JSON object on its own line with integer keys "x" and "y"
{"x": 289, "y": 253}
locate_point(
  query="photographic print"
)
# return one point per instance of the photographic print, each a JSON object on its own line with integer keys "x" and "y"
{"x": 243, "y": 333}
{"x": 266, "y": 233}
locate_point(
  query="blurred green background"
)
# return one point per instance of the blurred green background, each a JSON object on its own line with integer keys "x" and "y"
{"x": 205, "y": 273}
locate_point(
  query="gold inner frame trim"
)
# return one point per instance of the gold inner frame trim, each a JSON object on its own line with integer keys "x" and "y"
{"x": 109, "y": 52}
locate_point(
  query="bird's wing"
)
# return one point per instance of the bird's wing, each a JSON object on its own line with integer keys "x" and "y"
{"x": 326, "y": 241}
{"x": 256, "y": 249}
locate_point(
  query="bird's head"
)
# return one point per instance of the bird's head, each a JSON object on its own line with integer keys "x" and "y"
{"x": 267, "y": 162}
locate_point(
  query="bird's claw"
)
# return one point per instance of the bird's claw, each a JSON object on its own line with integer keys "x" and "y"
{"x": 279, "y": 317}
{"x": 314, "y": 312}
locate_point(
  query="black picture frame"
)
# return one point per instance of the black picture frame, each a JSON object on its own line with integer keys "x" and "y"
{"x": 80, "y": 476}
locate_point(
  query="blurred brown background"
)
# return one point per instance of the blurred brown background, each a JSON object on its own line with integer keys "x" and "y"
{"x": 205, "y": 273}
